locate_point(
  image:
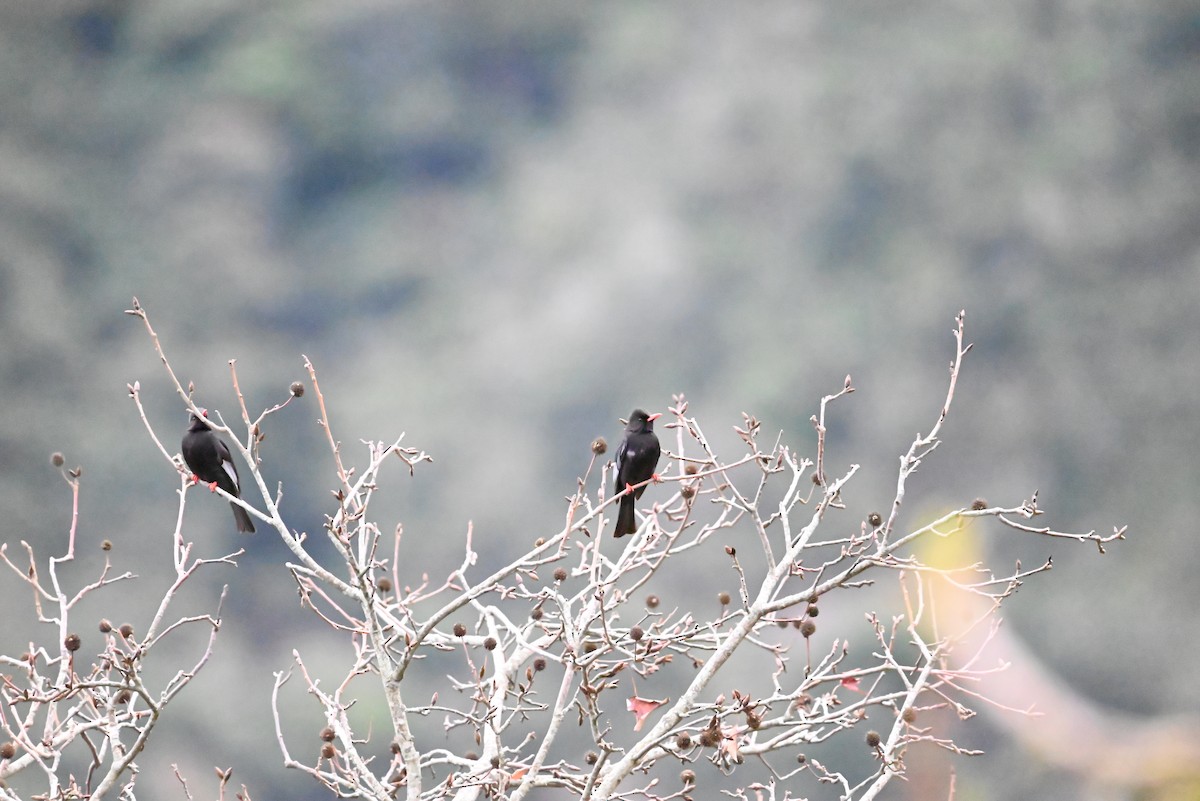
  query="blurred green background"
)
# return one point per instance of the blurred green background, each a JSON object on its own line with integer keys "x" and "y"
{"x": 499, "y": 227}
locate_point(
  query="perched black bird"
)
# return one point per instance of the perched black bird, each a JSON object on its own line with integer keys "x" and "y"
{"x": 637, "y": 459}
{"x": 208, "y": 457}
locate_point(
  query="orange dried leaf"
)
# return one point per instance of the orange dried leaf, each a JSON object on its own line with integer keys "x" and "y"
{"x": 731, "y": 745}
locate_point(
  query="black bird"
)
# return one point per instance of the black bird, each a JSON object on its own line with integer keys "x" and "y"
{"x": 208, "y": 457}
{"x": 637, "y": 459}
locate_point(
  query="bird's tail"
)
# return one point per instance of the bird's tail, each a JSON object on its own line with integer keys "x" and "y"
{"x": 244, "y": 523}
{"x": 626, "y": 519}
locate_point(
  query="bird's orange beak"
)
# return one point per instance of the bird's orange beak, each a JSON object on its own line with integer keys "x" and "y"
{"x": 653, "y": 417}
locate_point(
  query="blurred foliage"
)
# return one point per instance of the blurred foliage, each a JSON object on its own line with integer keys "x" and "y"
{"x": 500, "y": 227}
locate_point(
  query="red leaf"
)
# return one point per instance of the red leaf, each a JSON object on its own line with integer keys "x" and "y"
{"x": 641, "y": 707}
{"x": 851, "y": 683}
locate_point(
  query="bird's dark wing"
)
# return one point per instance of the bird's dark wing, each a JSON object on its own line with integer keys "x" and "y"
{"x": 622, "y": 461}
{"x": 228, "y": 466}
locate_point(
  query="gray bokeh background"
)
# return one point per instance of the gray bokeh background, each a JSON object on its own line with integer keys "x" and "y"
{"x": 500, "y": 227}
